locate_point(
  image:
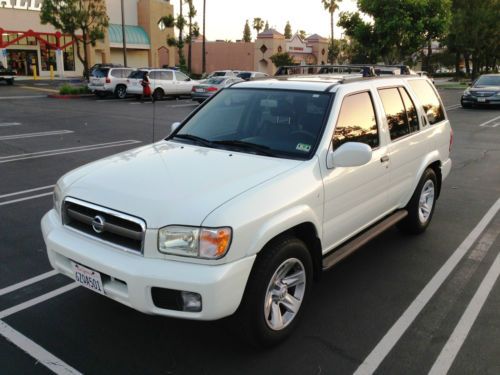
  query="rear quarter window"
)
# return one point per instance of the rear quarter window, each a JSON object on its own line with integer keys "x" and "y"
{"x": 429, "y": 99}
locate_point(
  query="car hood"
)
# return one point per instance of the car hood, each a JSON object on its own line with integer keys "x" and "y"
{"x": 171, "y": 183}
{"x": 485, "y": 88}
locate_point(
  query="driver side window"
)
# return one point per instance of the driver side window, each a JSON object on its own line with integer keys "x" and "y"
{"x": 357, "y": 121}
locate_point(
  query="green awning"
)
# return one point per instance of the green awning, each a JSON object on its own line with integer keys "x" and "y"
{"x": 133, "y": 35}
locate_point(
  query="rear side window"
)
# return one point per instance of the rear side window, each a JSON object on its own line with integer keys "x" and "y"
{"x": 430, "y": 101}
{"x": 166, "y": 76}
{"x": 400, "y": 112}
{"x": 357, "y": 121}
{"x": 117, "y": 73}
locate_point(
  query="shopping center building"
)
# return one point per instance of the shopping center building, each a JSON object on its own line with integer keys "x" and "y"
{"x": 26, "y": 44}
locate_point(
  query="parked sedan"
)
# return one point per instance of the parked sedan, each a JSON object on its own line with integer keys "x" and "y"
{"x": 164, "y": 82}
{"x": 484, "y": 91}
{"x": 210, "y": 86}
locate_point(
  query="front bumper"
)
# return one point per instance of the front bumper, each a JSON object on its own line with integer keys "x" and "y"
{"x": 474, "y": 100}
{"x": 129, "y": 278}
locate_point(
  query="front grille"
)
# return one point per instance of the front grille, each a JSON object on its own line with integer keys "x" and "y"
{"x": 104, "y": 224}
{"x": 482, "y": 94}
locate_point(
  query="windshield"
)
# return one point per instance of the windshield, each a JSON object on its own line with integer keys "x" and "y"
{"x": 138, "y": 74}
{"x": 488, "y": 81}
{"x": 284, "y": 123}
{"x": 215, "y": 81}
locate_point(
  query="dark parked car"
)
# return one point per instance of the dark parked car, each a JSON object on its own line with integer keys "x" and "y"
{"x": 7, "y": 75}
{"x": 210, "y": 86}
{"x": 483, "y": 91}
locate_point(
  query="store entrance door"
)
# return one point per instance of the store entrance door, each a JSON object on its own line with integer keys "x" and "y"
{"x": 23, "y": 61}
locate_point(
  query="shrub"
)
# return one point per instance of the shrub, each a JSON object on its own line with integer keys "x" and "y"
{"x": 73, "y": 90}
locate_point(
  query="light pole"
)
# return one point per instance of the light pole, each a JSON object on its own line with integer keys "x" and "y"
{"x": 123, "y": 37}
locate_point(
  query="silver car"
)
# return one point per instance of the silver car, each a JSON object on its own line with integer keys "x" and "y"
{"x": 210, "y": 86}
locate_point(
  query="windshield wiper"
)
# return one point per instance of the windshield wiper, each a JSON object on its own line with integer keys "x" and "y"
{"x": 191, "y": 137}
{"x": 260, "y": 149}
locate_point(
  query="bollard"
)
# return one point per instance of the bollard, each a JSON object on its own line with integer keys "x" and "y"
{"x": 35, "y": 77}
{"x": 51, "y": 72}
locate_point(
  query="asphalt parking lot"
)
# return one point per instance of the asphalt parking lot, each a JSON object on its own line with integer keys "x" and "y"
{"x": 399, "y": 305}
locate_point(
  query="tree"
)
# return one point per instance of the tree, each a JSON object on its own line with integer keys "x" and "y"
{"x": 179, "y": 23}
{"x": 87, "y": 18}
{"x": 258, "y": 24}
{"x": 436, "y": 19}
{"x": 282, "y": 59}
{"x": 204, "y": 57}
{"x": 288, "y": 30}
{"x": 194, "y": 30}
{"x": 331, "y": 6}
{"x": 247, "y": 34}
{"x": 266, "y": 27}
{"x": 302, "y": 34}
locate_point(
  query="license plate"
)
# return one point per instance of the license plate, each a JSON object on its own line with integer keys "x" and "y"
{"x": 88, "y": 278}
{"x": 481, "y": 100}
{"x": 199, "y": 90}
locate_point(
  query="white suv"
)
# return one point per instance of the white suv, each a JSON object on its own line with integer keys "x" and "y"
{"x": 163, "y": 82}
{"x": 254, "y": 195}
{"x": 109, "y": 81}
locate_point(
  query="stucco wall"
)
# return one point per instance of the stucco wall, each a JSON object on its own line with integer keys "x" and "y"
{"x": 115, "y": 13}
{"x": 135, "y": 58}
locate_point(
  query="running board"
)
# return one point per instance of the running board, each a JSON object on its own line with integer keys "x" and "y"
{"x": 350, "y": 247}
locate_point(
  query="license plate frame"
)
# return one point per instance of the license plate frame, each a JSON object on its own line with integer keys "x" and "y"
{"x": 481, "y": 100}
{"x": 199, "y": 90}
{"x": 88, "y": 278}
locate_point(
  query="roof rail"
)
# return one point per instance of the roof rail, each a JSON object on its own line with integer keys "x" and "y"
{"x": 367, "y": 70}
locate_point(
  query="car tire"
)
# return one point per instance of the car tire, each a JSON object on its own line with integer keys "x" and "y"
{"x": 421, "y": 205}
{"x": 121, "y": 92}
{"x": 10, "y": 82}
{"x": 271, "y": 308}
{"x": 158, "y": 94}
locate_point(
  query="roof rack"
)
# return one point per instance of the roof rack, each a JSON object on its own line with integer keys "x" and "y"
{"x": 366, "y": 70}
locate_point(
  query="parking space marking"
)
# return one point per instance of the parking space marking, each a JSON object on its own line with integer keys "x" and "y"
{"x": 390, "y": 339}
{"x": 5, "y": 124}
{"x": 26, "y": 191}
{"x": 62, "y": 151}
{"x": 37, "y": 300}
{"x": 32, "y": 135}
{"x": 185, "y": 105}
{"x": 25, "y": 198}
{"x": 489, "y": 121}
{"x": 36, "y": 351}
{"x": 25, "y": 283}
{"x": 461, "y": 331}
{"x": 22, "y": 97}
{"x": 454, "y": 106}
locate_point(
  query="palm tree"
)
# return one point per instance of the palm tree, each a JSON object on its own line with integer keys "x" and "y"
{"x": 331, "y": 6}
{"x": 258, "y": 24}
{"x": 203, "y": 60}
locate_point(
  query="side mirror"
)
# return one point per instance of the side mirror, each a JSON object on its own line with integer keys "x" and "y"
{"x": 174, "y": 126}
{"x": 350, "y": 154}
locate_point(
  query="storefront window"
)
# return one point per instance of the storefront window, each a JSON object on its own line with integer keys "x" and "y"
{"x": 47, "y": 57}
{"x": 68, "y": 54}
{"x": 27, "y": 41}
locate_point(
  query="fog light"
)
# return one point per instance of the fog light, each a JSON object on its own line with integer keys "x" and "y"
{"x": 191, "y": 301}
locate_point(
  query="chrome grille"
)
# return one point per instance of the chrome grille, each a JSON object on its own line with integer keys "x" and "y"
{"x": 116, "y": 228}
{"x": 482, "y": 94}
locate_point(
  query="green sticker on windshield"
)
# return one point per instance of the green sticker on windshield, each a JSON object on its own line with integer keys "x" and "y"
{"x": 303, "y": 147}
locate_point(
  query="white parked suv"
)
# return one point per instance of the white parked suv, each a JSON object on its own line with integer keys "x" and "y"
{"x": 163, "y": 82}
{"x": 109, "y": 81}
{"x": 257, "y": 192}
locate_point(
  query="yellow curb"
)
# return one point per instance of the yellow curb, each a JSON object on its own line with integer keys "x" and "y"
{"x": 38, "y": 89}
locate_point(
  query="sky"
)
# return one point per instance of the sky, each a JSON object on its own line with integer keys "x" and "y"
{"x": 225, "y": 19}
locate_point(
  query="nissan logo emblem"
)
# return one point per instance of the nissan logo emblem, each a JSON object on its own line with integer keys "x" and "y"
{"x": 98, "y": 224}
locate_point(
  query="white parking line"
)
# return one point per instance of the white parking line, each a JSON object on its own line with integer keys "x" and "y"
{"x": 25, "y": 199}
{"x": 42, "y": 154}
{"x": 25, "y": 283}
{"x": 454, "y": 106}
{"x": 457, "y": 338}
{"x": 4, "y": 124}
{"x": 22, "y": 97}
{"x": 382, "y": 349}
{"x": 37, "y": 300}
{"x": 26, "y": 191}
{"x": 31, "y": 135}
{"x": 487, "y": 122}
{"x": 36, "y": 351}
{"x": 185, "y": 105}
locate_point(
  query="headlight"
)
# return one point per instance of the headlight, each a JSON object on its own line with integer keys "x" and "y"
{"x": 56, "y": 197}
{"x": 466, "y": 93}
{"x": 207, "y": 243}
{"x": 498, "y": 93}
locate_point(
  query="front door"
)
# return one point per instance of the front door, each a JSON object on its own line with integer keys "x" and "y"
{"x": 355, "y": 197}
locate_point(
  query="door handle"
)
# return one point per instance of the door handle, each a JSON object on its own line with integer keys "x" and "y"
{"x": 384, "y": 159}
